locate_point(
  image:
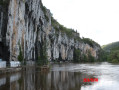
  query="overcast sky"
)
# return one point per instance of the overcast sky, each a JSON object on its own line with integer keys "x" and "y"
{"x": 95, "y": 19}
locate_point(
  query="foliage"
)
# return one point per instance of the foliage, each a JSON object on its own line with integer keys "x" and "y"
{"x": 87, "y": 58}
{"x": 43, "y": 58}
{"x": 44, "y": 9}
{"x": 90, "y": 58}
{"x": 115, "y": 48}
{"x": 77, "y": 55}
{"x": 84, "y": 58}
{"x": 20, "y": 56}
{"x": 24, "y": 1}
{"x": 54, "y": 23}
{"x": 111, "y": 46}
{"x": 102, "y": 55}
{"x": 59, "y": 27}
{"x": 113, "y": 56}
{"x": 77, "y": 38}
{"x": 90, "y": 42}
{"x": 115, "y": 61}
{"x": 112, "y": 52}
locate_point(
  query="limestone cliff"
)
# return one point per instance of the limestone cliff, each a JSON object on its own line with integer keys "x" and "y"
{"x": 27, "y": 26}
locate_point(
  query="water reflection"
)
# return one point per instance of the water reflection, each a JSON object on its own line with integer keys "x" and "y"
{"x": 2, "y": 81}
{"x": 10, "y": 82}
{"x": 62, "y": 77}
{"x": 33, "y": 79}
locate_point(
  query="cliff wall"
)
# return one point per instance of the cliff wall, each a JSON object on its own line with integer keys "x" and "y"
{"x": 26, "y": 26}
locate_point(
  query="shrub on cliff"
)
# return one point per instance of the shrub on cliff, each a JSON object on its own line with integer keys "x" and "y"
{"x": 90, "y": 42}
{"x": 58, "y": 27}
{"x": 43, "y": 58}
{"x": 87, "y": 58}
{"x": 44, "y": 9}
{"x": 20, "y": 56}
{"x": 84, "y": 58}
{"x": 77, "y": 55}
{"x": 90, "y": 58}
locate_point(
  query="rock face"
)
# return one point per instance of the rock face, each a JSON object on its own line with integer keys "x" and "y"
{"x": 4, "y": 49}
{"x": 26, "y": 26}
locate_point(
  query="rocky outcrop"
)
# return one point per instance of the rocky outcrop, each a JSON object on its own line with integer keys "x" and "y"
{"x": 26, "y": 26}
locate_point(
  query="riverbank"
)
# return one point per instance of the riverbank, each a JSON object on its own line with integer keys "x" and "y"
{"x": 14, "y": 66}
{"x": 22, "y": 68}
{"x": 10, "y": 70}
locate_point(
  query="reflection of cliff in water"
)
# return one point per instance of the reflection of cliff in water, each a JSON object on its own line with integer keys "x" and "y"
{"x": 7, "y": 82}
{"x": 33, "y": 79}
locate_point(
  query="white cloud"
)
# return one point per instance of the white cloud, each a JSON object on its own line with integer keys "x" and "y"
{"x": 95, "y": 19}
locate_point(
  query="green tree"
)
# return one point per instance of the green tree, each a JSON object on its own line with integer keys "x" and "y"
{"x": 91, "y": 58}
{"x": 77, "y": 55}
{"x": 84, "y": 58}
{"x": 43, "y": 58}
{"x": 114, "y": 61}
{"x": 20, "y": 56}
{"x": 113, "y": 56}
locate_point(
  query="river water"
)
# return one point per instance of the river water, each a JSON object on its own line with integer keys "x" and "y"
{"x": 64, "y": 76}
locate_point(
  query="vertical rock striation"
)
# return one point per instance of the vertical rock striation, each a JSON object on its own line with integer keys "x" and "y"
{"x": 27, "y": 26}
{"x": 4, "y": 49}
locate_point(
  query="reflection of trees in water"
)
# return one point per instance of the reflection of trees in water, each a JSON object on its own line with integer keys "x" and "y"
{"x": 63, "y": 80}
{"x": 41, "y": 80}
{"x": 28, "y": 79}
{"x": 33, "y": 79}
{"x": 56, "y": 80}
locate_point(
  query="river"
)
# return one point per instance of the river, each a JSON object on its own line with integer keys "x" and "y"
{"x": 64, "y": 76}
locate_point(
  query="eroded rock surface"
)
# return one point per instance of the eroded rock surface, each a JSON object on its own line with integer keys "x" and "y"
{"x": 26, "y": 25}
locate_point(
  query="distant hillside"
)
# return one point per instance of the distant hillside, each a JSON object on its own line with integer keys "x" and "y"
{"x": 111, "y": 46}
{"x": 112, "y": 52}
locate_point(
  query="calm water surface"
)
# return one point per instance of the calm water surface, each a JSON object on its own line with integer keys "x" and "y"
{"x": 66, "y": 76}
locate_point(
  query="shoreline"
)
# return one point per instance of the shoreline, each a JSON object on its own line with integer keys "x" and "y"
{"x": 10, "y": 70}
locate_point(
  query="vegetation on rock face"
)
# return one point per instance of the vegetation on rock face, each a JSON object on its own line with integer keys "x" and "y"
{"x": 90, "y": 42}
{"x": 59, "y": 27}
{"x": 20, "y": 56}
{"x": 24, "y": 1}
{"x": 43, "y": 58}
{"x": 71, "y": 33}
{"x": 88, "y": 57}
{"x": 54, "y": 23}
{"x": 44, "y": 9}
{"x": 78, "y": 57}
